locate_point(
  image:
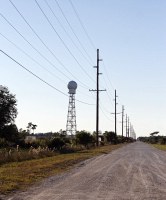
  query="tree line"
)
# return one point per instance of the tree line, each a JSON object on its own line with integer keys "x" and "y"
{"x": 11, "y": 136}
{"x": 154, "y": 138}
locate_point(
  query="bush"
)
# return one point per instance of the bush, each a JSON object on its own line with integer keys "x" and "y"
{"x": 56, "y": 143}
{"x": 3, "y": 143}
{"x": 162, "y": 140}
{"x": 10, "y": 133}
{"x": 84, "y": 138}
{"x": 110, "y": 137}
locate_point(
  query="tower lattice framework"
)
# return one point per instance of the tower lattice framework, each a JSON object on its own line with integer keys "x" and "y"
{"x": 71, "y": 117}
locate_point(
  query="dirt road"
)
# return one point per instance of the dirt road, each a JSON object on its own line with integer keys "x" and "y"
{"x": 136, "y": 171}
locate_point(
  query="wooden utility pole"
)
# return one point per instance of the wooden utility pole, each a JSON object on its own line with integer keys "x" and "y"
{"x": 97, "y": 98}
{"x": 115, "y": 115}
{"x": 126, "y": 125}
{"x": 122, "y": 119}
{"x": 97, "y": 101}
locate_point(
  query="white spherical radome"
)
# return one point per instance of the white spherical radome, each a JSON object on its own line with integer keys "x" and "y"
{"x": 72, "y": 86}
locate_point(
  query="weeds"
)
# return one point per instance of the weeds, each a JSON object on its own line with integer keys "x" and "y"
{"x": 17, "y": 155}
{"x": 19, "y": 175}
{"x": 160, "y": 146}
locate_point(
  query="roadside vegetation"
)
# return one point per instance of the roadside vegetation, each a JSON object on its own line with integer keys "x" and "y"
{"x": 58, "y": 143}
{"x": 19, "y": 175}
{"x": 26, "y": 157}
{"x": 160, "y": 146}
{"x": 156, "y": 140}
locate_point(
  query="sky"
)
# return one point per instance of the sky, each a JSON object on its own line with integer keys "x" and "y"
{"x": 57, "y": 40}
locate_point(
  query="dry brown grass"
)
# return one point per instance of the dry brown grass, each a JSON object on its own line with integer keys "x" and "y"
{"x": 160, "y": 146}
{"x": 19, "y": 175}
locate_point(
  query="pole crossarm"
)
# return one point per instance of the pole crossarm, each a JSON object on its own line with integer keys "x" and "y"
{"x": 116, "y": 113}
{"x": 98, "y": 90}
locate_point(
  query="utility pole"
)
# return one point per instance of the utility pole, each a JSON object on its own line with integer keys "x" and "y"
{"x": 97, "y": 98}
{"x": 126, "y": 125}
{"x": 97, "y": 101}
{"x": 115, "y": 115}
{"x": 122, "y": 120}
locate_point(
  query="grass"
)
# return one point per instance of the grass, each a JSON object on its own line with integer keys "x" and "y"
{"x": 15, "y": 156}
{"x": 160, "y": 146}
{"x": 20, "y": 175}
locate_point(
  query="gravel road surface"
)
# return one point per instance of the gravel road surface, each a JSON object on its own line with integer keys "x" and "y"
{"x": 136, "y": 171}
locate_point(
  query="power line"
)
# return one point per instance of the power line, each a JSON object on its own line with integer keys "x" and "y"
{"x": 33, "y": 47}
{"x": 109, "y": 97}
{"x": 104, "y": 108}
{"x": 108, "y": 76}
{"x": 67, "y": 32}
{"x": 71, "y": 28}
{"x": 32, "y": 73}
{"x": 44, "y": 43}
{"x": 83, "y": 27}
{"x": 104, "y": 113}
{"x": 35, "y": 61}
{"x": 42, "y": 80}
{"x": 106, "y": 72}
{"x": 63, "y": 41}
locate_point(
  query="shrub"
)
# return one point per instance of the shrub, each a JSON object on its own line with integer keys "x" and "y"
{"x": 84, "y": 138}
{"x": 56, "y": 143}
{"x": 3, "y": 143}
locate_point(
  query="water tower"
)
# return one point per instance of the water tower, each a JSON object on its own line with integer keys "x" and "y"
{"x": 71, "y": 116}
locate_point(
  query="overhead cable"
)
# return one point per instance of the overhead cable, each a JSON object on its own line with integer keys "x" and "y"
{"x": 42, "y": 80}
{"x": 71, "y": 28}
{"x": 34, "y": 60}
{"x": 32, "y": 29}
{"x": 62, "y": 26}
{"x": 63, "y": 41}
{"x": 83, "y": 27}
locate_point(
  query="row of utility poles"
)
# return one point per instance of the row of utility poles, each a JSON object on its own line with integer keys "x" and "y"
{"x": 97, "y": 90}
{"x": 128, "y": 124}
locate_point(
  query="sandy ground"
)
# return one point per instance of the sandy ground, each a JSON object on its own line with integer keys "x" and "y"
{"x": 136, "y": 171}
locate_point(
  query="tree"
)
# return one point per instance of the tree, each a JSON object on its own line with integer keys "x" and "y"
{"x": 31, "y": 126}
{"x": 154, "y": 133}
{"x": 8, "y": 110}
{"x": 10, "y": 133}
{"x": 56, "y": 143}
{"x": 34, "y": 127}
{"x": 84, "y": 138}
{"x": 110, "y": 137}
{"x": 22, "y": 133}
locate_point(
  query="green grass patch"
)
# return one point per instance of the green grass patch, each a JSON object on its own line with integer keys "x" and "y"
{"x": 160, "y": 146}
{"x": 20, "y": 175}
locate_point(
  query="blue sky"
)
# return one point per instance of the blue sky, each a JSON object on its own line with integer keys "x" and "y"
{"x": 131, "y": 36}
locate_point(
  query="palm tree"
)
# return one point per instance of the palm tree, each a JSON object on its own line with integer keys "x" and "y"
{"x": 34, "y": 127}
{"x": 31, "y": 126}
